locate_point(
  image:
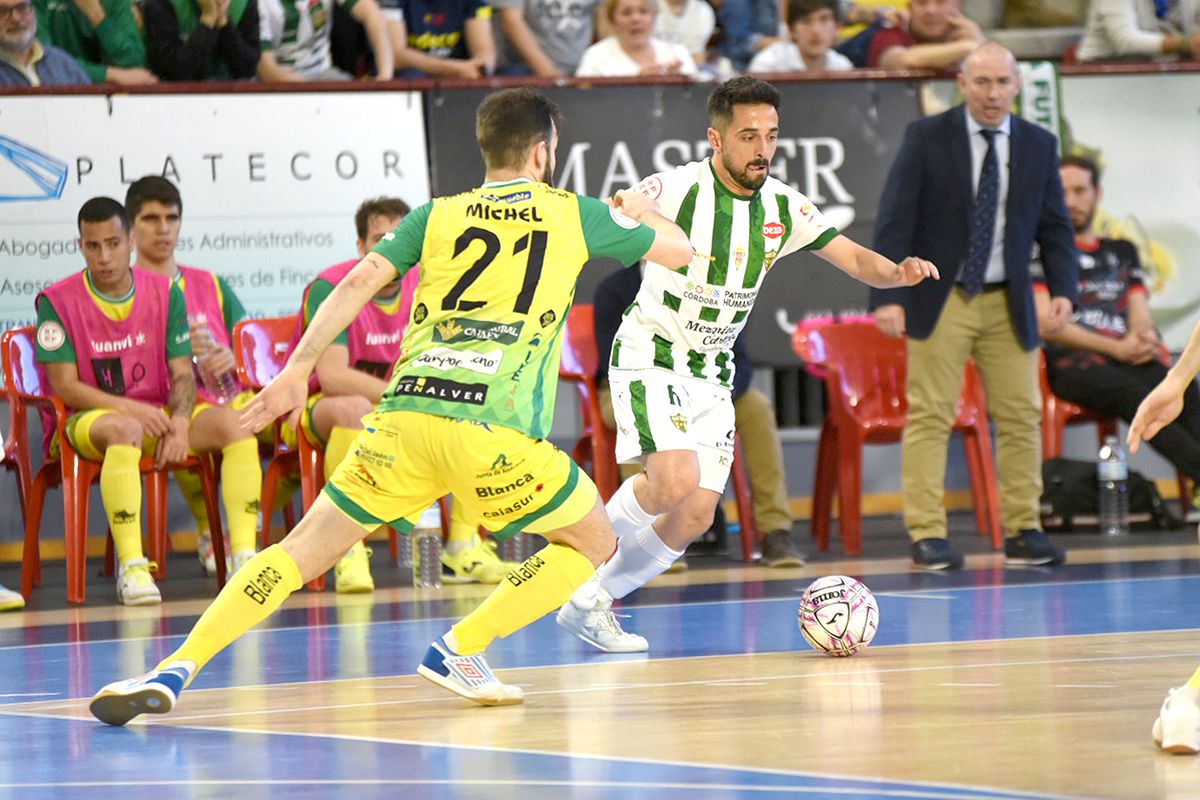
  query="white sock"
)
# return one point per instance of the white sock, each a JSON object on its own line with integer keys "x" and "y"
{"x": 451, "y": 641}
{"x": 624, "y": 511}
{"x": 586, "y": 595}
{"x": 639, "y": 558}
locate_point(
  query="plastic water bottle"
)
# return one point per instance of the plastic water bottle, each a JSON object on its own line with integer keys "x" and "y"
{"x": 224, "y": 386}
{"x": 426, "y": 541}
{"x": 515, "y": 549}
{"x": 1112, "y": 472}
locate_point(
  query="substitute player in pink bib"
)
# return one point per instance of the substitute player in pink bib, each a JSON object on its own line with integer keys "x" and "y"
{"x": 155, "y": 212}
{"x": 114, "y": 342}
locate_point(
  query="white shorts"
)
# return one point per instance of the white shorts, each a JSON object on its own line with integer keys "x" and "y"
{"x": 657, "y": 411}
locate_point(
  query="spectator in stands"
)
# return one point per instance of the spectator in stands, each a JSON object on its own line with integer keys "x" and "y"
{"x": 1108, "y": 357}
{"x": 938, "y": 36}
{"x": 754, "y": 416}
{"x": 689, "y": 23}
{"x": 813, "y": 25}
{"x": 101, "y": 34}
{"x": 295, "y": 36}
{"x": 858, "y": 16}
{"x": 747, "y": 27}
{"x": 24, "y": 61}
{"x": 196, "y": 40}
{"x": 449, "y": 38}
{"x": 547, "y": 37}
{"x": 1135, "y": 29}
{"x": 632, "y": 49}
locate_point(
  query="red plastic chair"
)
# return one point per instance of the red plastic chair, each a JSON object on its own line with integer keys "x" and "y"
{"x": 1058, "y": 413}
{"x": 26, "y": 388}
{"x": 865, "y": 373}
{"x": 597, "y": 446}
{"x": 260, "y": 347}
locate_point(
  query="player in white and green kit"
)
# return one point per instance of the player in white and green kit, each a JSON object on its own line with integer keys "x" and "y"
{"x": 671, "y": 367}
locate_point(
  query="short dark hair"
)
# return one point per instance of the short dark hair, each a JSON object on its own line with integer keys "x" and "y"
{"x": 1083, "y": 162}
{"x": 151, "y": 188}
{"x": 799, "y": 9}
{"x": 738, "y": 92}
{"x": 512, "y": 121}
{"x": 378, "y": 207}
{"x": 101, "y": 209}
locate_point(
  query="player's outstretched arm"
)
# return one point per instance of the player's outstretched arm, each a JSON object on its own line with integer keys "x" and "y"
{"x": 286, "y": 393}
{"x": 1162, "y": 406}
{"x": 873, "y": 269}
{"x": 671, "y": 247}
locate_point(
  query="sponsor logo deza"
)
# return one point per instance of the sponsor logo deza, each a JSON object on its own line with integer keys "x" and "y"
{"x": 457, "y": 329}
{"x": 439, "y": 389}
{"x": 444, "y": 358}
{"x": 496, "y": 491}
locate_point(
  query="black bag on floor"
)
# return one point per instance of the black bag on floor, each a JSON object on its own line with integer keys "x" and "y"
{"x": 1070, "y": 489}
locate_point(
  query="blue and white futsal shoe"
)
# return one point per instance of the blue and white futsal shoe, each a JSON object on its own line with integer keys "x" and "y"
{"x": 467, "y": 676}
{"x": 152, "y": 693}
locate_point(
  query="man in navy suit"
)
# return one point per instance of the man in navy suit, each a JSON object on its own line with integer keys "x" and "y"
{"x": 973, "y": 190}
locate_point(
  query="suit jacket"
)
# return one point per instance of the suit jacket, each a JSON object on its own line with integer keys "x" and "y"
{"x": 926, "y": 207}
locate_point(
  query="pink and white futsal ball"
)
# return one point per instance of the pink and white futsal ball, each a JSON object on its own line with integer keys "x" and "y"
{"x": 838, "y": 615}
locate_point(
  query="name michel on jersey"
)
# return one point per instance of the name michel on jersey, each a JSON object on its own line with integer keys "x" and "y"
{"x": 484, "y": 211}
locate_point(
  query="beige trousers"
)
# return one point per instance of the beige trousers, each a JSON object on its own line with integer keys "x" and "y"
{"x": 981, "y": 328}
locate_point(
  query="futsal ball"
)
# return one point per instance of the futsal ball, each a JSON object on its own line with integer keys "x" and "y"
{"x": 838, "y": 615}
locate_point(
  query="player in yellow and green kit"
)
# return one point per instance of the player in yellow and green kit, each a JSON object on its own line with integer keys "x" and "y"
{"x": 467, "y": 408}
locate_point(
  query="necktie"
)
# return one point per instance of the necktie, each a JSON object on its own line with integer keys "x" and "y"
{"x": 983, "y": 219}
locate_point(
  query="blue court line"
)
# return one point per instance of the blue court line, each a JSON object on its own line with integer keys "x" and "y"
{"x": 290, "y": 655}
{"x": 182, "y": 763}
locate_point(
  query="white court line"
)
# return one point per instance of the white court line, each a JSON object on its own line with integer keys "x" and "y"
{"x": 929, "y": 794}
{"x": 12, "y": 710}
{"x": 598, "y": 661}
{"x": 974, "y": 792}
{"x": 970, "y": 685}
{"x": 915, "y": 593}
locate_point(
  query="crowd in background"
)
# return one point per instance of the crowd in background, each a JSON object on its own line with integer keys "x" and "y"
{"x": 74, "y": 42}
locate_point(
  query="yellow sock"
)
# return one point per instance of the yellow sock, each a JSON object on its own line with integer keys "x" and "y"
{"x": 253, "y": 593}
{"x": 121, "y": 493}
{"x": 341, "y": 442}
{"x": 543, "y": 583}
{"x": 462, "y": 529}
{"x": 193, "y": 494}
{"x": 241, "y": 490}
{"x": 1194, "y": 681}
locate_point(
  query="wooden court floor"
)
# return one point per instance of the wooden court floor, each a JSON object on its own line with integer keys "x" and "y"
{"x": 989, "y": 683}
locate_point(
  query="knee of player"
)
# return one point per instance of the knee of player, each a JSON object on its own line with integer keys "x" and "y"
{"x": 348, "y": 411}
{"x": 123, "y": 430}
{"x": 671, "y": 487}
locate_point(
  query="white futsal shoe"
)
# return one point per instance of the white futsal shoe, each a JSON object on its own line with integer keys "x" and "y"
{"x": 467, "y": 676}
{"x": 598, "y": 626}
{"x": 152, "y": 693}
{"x": 1177, "y": 729}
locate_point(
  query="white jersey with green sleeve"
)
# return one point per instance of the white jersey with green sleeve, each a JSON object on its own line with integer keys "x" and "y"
{"x": 686, "y": 320}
